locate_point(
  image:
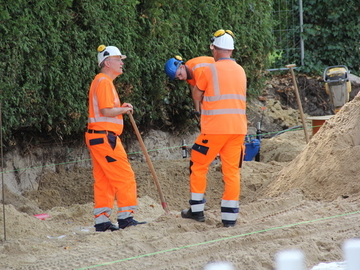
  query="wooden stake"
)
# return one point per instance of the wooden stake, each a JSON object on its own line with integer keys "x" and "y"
{"x": 299, "y": 101}
{"x": 2, "y": 174}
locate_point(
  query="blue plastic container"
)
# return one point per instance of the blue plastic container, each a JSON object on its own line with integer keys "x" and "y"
{"x": 251, "y": 149}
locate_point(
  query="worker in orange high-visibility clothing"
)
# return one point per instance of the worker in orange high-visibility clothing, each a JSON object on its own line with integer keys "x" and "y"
{"x": 222, "y": 90}
{"x": 176, "y": 69}
{"x": 113, "y": 175}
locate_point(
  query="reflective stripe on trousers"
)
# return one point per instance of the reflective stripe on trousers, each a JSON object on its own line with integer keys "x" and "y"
{"x": 229, "y": 210}
{"x": 102, "y": 214}
{"x": 197, "y": 202}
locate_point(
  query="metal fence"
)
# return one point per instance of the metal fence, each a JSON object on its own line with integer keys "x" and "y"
{"x": 288, "y": 26}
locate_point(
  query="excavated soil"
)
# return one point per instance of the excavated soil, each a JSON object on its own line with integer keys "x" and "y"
{"x": 299, "y": 196}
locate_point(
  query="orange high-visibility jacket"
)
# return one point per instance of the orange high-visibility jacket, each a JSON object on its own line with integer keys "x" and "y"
{"x": 224, "y": 102}
{"x": 103, "y": 95}
{"x": 196, "y": 66}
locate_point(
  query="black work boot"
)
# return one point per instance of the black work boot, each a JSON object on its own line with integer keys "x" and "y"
{"x": 198, "y": 216}
{"x": 228, "y": 223}
{"x": 102, "y": 227}
{"x": 123, "y": 223}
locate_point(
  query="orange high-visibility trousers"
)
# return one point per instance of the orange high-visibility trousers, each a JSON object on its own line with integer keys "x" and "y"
{"x": 229, "y": 146}
{"x": 113, "y": 177}
{"x": 205, "y": 149}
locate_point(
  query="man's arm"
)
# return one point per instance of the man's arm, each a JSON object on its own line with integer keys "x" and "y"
{"x": 197, "y": 103}
{"x": 115, "y": 111}
{"x": 197, "y": 94}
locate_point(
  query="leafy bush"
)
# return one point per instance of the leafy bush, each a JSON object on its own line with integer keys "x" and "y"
{"x": 49, "y": 58}
{"x": 331, "y": 35}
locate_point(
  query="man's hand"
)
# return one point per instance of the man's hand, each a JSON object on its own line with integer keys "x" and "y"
{"x": 129, "y": 107}
{"x": 196, "y": 115}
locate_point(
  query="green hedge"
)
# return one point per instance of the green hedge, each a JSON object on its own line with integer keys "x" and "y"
{"x": 49, "y": 58}
{"x": 331, "y": 35}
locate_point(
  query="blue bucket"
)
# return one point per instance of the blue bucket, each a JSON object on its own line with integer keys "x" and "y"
{"x": 251, "y": 149}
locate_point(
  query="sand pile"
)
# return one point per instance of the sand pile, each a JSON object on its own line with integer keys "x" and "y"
{"x": 328, "y": 167}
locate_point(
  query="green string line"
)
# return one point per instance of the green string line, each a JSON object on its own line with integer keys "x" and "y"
{"x": 220, "y": 239}
{"x": 133, "y": 153}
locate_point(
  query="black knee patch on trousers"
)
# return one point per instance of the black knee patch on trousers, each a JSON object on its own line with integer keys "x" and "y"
{"x": 110, "y": 159}
{"x": 200, "y": 148}
{"x": 96, "y": 141}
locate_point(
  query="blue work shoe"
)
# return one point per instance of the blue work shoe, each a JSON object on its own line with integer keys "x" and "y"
{"x": 198, "y": 216}
{"x": 102, "y": 227}
{"x": 123, "y": 223}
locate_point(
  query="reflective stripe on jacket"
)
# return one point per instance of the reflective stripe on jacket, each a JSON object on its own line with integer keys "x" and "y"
{"x": 224, "y": 102}
{"x": 103, "y": 95}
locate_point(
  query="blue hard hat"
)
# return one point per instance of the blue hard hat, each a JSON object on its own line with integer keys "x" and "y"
{"x": 171, "y": 66}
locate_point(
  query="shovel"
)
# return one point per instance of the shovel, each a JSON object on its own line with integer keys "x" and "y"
{"x": 151, "y": 167}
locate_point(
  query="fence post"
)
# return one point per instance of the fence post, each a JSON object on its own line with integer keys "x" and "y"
{"x": 351, "y": 250}
{"x": 289, "y": 260}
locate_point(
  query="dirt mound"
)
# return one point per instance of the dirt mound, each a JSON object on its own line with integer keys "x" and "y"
{"x": 314, "y": 99}
{"x": 63, "y": 188}
{"x": 283, "y": 147}
{"x": 328, "y": 167}
{"x": 277, "y": 107}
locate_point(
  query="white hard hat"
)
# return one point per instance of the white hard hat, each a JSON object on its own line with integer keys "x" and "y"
{"x": 223, "y": 39}
{"x": 107, "y": 51}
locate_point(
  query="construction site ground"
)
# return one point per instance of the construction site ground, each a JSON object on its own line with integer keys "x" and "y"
{"x": 298, "y": 196}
